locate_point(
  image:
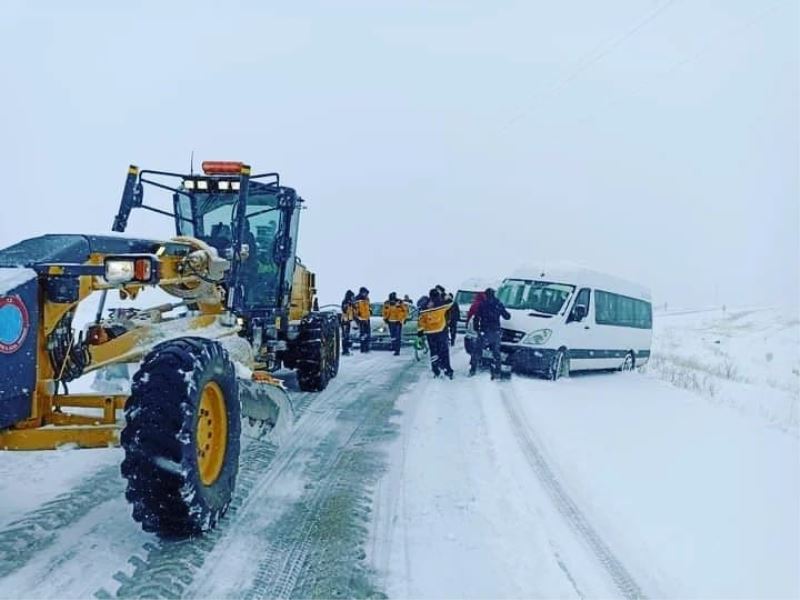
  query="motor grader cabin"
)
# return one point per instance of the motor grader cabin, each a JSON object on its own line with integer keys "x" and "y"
{"x": 244, "y": 308}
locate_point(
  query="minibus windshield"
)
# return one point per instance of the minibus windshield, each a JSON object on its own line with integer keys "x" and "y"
{"x": 541, "y": 296}
{"x": 465, "y": 297}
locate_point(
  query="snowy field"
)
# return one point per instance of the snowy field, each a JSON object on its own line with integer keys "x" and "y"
{"x": 679, "y": 481}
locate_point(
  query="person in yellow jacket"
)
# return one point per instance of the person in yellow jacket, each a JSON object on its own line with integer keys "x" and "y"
{"x": 395, "y": 313}
{"x": 363, "y": 312}
{"x": 433, "y": 321}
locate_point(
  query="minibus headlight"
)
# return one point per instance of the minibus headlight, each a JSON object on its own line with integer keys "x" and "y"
{"x": 538, "y": 337}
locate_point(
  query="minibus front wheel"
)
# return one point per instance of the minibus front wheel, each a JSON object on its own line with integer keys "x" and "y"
{"x": 559, "y": 366}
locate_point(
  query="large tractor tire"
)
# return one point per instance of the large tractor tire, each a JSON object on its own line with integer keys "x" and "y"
{"x": 318, "y": 351}
{"x": 181, "y": 437}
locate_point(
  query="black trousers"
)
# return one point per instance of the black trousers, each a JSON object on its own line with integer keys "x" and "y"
{"x": 453, "y": 327}
{"x": 396, "y": 331}
{"x": 491, "y": 340}
{"x": 346, "y": 342}
{"x": 439, "y": 343}
{"x": 365, "y": 334}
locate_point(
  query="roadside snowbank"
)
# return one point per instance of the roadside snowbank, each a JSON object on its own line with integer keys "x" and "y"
{"x": 746, "y": 359}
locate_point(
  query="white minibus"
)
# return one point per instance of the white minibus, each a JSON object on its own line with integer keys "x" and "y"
{"x": 568, "y": 318}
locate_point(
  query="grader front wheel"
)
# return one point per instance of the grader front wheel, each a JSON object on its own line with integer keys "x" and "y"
{"x": 181, "y": 437}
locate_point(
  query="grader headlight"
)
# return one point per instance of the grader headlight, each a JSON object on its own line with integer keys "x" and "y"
{"x": 125, "y": 270}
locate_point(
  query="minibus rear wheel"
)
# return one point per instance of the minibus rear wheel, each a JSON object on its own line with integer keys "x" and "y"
{"x": 628, "y": 364}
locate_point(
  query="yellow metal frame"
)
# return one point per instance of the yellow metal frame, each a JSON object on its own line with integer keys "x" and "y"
{"x": 303, "y": 292}
{"x": 50, "y": 425}
{"x": 57, "y": 428}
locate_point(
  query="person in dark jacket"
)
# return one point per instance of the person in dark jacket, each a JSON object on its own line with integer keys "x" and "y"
{"x": 363, "y": 312}
{"x": 487, "y": 324}
{"x": 453, "y": 316}
{"x": 433, "y": 321}
{"x": 348, "y": 314}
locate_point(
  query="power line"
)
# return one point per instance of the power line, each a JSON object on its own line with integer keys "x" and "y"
{"x": 713, "y": 43}
{"x": 740, "y": 28}
{"x": 594, "y": 56}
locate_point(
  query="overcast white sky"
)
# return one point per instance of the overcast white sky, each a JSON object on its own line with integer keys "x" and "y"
{"x": 433, "y": 141}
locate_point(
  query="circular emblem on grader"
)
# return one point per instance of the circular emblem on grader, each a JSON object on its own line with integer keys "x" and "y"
{"x": 14, "y": 324}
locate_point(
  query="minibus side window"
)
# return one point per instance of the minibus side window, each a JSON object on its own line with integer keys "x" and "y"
{"x": 622, "y": 311}
{"x": 604, "y": 308}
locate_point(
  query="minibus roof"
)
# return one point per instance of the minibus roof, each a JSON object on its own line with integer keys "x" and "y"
{"x": 580, "y": 276}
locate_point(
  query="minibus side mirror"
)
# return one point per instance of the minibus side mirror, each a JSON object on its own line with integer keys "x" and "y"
{"x": 579, "y": 313}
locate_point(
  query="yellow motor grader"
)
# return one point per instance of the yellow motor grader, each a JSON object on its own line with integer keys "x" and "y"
{"x": 245, "y": 308}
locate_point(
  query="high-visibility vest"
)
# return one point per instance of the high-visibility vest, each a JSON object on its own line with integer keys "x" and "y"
{"x": 362, "y": 309}
{"x": 395, "y": 311}
{"x": 434, "y": 320}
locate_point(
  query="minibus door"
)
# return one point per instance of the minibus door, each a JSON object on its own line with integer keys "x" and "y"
{"x": 580, "y": 333}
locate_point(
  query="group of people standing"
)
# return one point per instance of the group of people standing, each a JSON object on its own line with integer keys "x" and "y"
{"x": 438, "y": 323}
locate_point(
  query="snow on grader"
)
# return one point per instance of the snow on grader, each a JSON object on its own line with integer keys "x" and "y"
{"x": 245, "y": 307}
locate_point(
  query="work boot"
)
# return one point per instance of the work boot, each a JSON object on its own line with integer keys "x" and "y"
{"x": 472, "y": 371}
{"x": 450, "y": 375}
{"x": 397, "y": 352}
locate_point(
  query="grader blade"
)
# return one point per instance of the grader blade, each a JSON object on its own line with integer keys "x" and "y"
{"x": 269, "y": 404}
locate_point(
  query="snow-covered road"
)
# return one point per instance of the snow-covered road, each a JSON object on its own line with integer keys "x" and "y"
{"x": 393, "y": 482}
{"x": 602, "y": 485}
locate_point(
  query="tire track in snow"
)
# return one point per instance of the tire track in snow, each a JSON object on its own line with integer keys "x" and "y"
{"x": 325, "y": 410}
{"x": 566, "y": 506}
{"x": 24, "y": 538}
{"x": 391, "y": 500}
{"x": 325, "y": 532}
{"x": 169, "y": 565}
